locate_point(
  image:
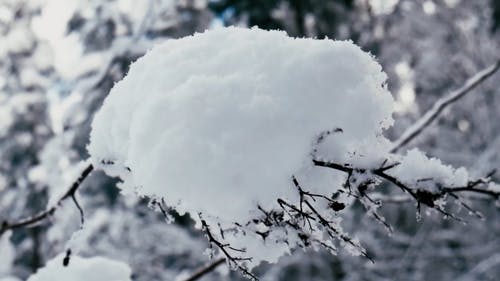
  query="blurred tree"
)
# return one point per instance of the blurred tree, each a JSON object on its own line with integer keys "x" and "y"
{"x": 313, "y": 18}
{"x": 495, "y": 7}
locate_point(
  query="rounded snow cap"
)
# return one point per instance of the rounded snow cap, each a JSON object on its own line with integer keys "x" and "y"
{"x": 219, "y": 122}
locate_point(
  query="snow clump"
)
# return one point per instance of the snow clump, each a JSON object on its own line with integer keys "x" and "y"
{"x": 83, "y": 269}
{"x": 233, "y": 113}
{"x": 218, "y": 123}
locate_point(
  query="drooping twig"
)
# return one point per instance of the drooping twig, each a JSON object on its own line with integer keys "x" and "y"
{"x": 307, "y": 213}
{"x": 329, "y": 227}
{"x": 36, "y": 219}
{"x": 306, "y": 216}
{"x": 441, "y": 104}
{"x": 205, "y": 270}
{"x": 225, "y": 249}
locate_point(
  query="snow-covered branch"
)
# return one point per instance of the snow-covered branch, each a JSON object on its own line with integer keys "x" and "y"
{"x": 433, "y": 113}
{"x": 421, "y": 196}
{"x": 264, "y": 145}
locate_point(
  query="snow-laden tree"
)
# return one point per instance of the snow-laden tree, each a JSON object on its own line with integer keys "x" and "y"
{"x": 427, "y": 48}
{"x": 264, "y": 143}
{"x": 395, "y": 34}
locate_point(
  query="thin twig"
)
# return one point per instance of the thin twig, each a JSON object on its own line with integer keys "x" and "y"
{"x": 31, "y": 221}
{"x": 205, "y": 270}
{"x": 225, "y": 248}
{"x": 441, "y": 104}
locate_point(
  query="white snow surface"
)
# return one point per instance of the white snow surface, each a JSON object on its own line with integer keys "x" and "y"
{"x": 7, "y": 254}
{"x": 233, "y": 113}
{"x": 219, "y": 122}
{"x": 419, "y": 171}
{"x": 83, "y": 269}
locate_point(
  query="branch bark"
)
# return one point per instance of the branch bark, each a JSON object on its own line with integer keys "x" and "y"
{"x": 38, "y": 218}
{"x": 205, "y": 270}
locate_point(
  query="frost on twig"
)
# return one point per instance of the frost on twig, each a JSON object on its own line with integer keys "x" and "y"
{"x": 233, "y": 255}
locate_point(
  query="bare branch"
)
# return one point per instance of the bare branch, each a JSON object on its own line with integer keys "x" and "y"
{"x": 205, "y": 270}
{"x": 36, "y": 219}
{"x": 433, "y": 113}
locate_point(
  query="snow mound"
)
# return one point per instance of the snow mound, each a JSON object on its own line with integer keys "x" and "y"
{"x": 83, "y": 269}
{"x": 233, "y": 113}
{"x": 218, "y": 123}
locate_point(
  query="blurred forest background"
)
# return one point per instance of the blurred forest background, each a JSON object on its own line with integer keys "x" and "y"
{"x": 59, "y": 59}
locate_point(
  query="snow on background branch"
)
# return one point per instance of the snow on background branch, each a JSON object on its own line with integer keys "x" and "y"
{"x": 441, "y": 104}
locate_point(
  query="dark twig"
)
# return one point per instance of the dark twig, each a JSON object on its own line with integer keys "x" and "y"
{"x": 491, "y": 193}
{"x": 225, "y": 248}
{"x": 205, "y": 270}
{"x": 36, "y": 219}
{"x": 344, "y": 168}
{"x": 329, "y": 227}
{"x": 80, "y": 209}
